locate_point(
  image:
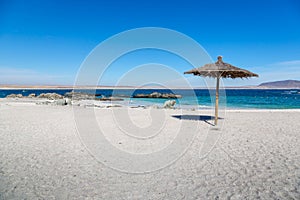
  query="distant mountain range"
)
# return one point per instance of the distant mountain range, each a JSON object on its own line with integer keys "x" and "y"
{"x": 285, "y": 84}
{"x": 281, "y": 84}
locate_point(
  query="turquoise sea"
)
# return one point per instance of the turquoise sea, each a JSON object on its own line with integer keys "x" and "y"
{"x": 201, "y": 98}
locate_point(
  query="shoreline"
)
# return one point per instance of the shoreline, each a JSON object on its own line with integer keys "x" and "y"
{"x": 14, "y": 87}
{"x": 122, "y": 104}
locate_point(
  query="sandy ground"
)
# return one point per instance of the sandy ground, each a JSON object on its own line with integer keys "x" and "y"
{"x": 46, "y": 152}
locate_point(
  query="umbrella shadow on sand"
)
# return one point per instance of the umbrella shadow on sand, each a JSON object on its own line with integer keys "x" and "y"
{"x": 205, "y": 118}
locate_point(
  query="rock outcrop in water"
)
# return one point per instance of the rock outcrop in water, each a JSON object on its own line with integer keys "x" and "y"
{"x": 158, "y": 95}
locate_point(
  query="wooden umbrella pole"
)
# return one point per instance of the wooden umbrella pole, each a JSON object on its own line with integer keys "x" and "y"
{"x": 217, "y": 101}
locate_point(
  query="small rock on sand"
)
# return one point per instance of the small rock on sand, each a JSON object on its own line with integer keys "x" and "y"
{"x": 61, "y": 102}
{"x": 169, "y": 104}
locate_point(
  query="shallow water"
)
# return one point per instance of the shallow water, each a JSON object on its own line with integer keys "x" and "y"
{"x": 199, "y": 98}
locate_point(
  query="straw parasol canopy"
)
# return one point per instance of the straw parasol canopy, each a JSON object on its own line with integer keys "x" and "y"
{"x": 219, "y": 70}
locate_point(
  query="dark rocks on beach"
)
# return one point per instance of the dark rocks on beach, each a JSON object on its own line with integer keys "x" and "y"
{"x": 66, "y": 99}
{"x": 14, "y": 96}
{"x": 122, "y": 96}
{"x": 57, "y": 102}
{"x": 32, "y": 95}
{"x": 51, "y": 96}
{"x": 87, "y": 96}
{"x": 80, "y": 95}
{"x": 158, "y": 95}
{"x": 110, "y": 99}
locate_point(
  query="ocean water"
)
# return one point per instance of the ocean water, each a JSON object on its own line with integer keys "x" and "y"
{"x": 198, "y": 98}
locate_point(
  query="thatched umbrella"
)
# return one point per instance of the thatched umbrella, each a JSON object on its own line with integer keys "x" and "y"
{"x": 219, "y": 70}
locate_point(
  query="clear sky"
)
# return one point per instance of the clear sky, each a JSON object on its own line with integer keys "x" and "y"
{"x": 45, "y": 41}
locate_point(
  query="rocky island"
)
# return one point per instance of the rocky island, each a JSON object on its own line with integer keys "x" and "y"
{"x": 158, "y": 95}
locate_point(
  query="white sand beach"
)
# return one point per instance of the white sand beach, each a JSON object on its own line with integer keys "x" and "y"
{"x": 255, "y": 154}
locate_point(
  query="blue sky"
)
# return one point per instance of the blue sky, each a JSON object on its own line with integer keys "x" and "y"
{"x": 45, "y": 41}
